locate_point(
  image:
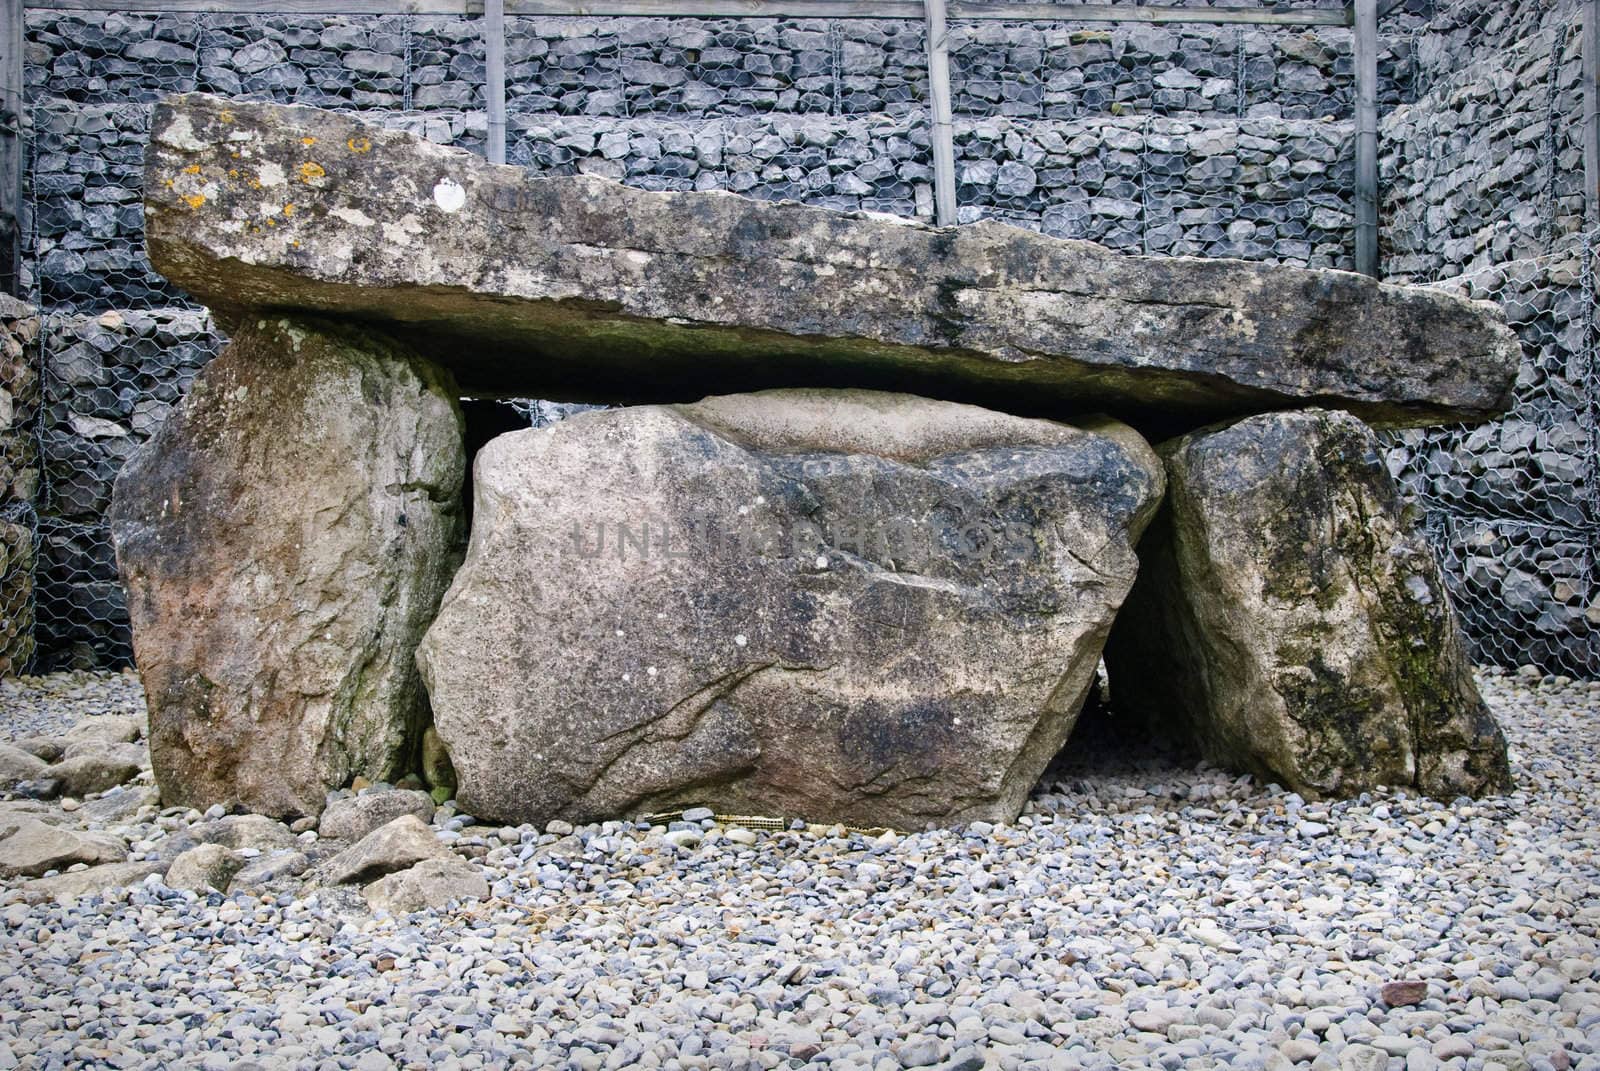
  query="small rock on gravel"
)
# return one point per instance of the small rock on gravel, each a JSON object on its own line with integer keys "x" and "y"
{"x": 17, "y": 765}
{"x": 397, "y": 845}
{"x": 92, "y": 881}
{"x": 203, "y": 868}
{"x": 246, "y": 831}
{"x": 94, "y": 771}
{"x": 1404, "y": 994}
{"x": 270, "y": 868}
{"x": 432, "y": 883}
{"x": 35, "y": 847}
{"x": 107, "y": 728}
{"x": 48, "y": 748}
{"x": 353, "y": 817}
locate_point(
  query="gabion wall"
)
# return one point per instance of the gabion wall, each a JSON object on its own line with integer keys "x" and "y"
{"x": 1484, "y": 180}
{"x": 19, "y": 481}
{"x": 1200, "y": 140}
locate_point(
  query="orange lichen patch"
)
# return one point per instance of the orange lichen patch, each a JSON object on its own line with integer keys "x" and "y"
{"x": 359, "y": 144}
{"x": 195, "y": 200}
{"x": 295, "y": 243}
{"x": 271, "y": 222}
{"x": 192, "y": 169}
{"x": 308, "y": 141}
{"x": 288, "y": 209}
{"x": 226, "y": 116}
{"x": 233, "y": 172}
{"x": 310, "y": 171}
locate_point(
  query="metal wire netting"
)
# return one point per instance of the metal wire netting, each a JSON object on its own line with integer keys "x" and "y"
{"x": 1513, "y": 506}
{"x": 19, "y": 476}
{"x": 1215, "y": 141}
{"x": 1486, "y": 170}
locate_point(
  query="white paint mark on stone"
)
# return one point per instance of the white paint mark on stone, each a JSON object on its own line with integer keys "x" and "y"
{"x": 449, "y": 195}
{"x": 741, "y": 640}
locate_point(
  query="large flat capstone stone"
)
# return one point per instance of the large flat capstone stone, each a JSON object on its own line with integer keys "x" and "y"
{"x": 834, "y": 605}
{"x": 585, "y": 289}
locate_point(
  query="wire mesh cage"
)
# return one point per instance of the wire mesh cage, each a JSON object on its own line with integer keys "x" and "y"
{"x": 1195, "y": 140}
{"x": 1485, "y": 173}
{"x": 824, "y": 111}
{"x": 1162, "y": 140}
{"x": 19, "y": 479}
{"x": 1513, "y": 505}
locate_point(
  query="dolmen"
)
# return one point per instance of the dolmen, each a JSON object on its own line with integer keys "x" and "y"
{"x": 876, "y": 500}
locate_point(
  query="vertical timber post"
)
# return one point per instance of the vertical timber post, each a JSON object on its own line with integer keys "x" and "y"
{"x": 494, "y": 70}
{"x": 11, "y": 146}
{"x": 944, "y": 149}
{"x": 1591, "y": 113}
{"x": 1366, "y": 56}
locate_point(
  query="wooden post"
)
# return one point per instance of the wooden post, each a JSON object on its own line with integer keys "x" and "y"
{"x": 944, "y": 146}
{"x": 1366, "y": 57}
{"x": 494, "y": 63}
{"x": 1591, "y": 112}
{"x": 11, "y": 147}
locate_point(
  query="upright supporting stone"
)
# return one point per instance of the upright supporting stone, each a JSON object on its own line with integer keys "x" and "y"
{"x": 285, "y": 538}
{"x": 1290, "y": 623}
{"x": 834, "y": 605}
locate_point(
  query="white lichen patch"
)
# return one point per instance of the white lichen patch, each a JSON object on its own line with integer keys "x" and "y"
{"x": 296, "y": 336}
{"x": 402, "y": 231}
{"x": 271, "y": 174}
{"x": 179, "y": 134}
{"x": 353, "y": 216}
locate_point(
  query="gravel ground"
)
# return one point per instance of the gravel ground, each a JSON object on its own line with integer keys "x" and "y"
{"x": 1142, "y": 913}
{"x": 50, "y": 705}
